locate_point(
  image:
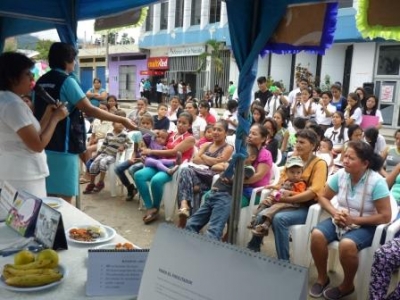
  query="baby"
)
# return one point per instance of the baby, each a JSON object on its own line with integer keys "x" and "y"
{"x": 208, "y": 136}
{"x": 271, "y": 205}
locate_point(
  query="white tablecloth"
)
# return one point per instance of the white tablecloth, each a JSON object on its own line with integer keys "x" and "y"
{"x": 75, "y": 259}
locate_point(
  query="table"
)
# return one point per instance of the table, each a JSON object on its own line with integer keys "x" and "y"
{"x": 75, "y": 259}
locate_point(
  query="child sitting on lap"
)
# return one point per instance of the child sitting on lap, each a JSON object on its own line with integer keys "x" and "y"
{"x": 115, "y": 141}
{"x": 159, "y": 143}
{"x": 271, "y": 205}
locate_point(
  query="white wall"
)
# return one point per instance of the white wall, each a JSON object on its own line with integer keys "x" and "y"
{"x": 362, "y": 68}
{"x": 333, "y": 63}
{"x": 280, "y": 68}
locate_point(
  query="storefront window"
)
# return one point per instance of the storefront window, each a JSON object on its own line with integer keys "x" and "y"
{"x": 164, "y": 16}
{"x": 389, "y": 60}
{"x": 196, "y": 12}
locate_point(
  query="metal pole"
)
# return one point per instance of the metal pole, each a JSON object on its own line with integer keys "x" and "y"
{"x": 239, "y": 174}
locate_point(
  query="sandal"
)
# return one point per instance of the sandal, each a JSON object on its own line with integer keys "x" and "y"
{"x": 83, "y": 180}
{"x": 99, "y": 186}
{"x": 183, "y": 215}
{"x": 147, "y": 219}
{"x": 89, "y": 188}
{"x": 260, "y": 230}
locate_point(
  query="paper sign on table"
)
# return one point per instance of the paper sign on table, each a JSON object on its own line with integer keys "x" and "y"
{"x": 184, "y": 265}
{"x": 22, "y": 215}
{"x": 49, "y": 229}
{"x": 115, "y": 272}
{"x": 7, "y": 197}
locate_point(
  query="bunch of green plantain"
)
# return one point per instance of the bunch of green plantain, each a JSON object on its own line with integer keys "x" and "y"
{"x": 41, "y": 271}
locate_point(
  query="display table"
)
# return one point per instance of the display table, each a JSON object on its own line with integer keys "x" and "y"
{"x": 74, "y": 259}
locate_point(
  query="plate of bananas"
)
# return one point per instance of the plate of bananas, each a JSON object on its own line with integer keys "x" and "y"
{"x": 31, "y": 280}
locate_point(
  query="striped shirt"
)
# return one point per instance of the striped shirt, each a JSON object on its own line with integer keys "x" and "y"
{"x": 113, "y": 141}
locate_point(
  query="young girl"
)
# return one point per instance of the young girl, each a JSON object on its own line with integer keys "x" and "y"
{"x": 282, "y": 132}
{"x": 376, "y": 140}
{"x": 353, "y": 112}
{"x": 337, "y": 133}
{"x": 112, "y": 102}
{"x": 305, "y": 108}
{"x": 230, "y": 116}
{"x": 371, "y": 109}
{"x": 160, "y": 120}
{"x": 258, "y": 115}
{"x": 338, "y": 100}
{"x": 133, "y": 164}
{"x": 271, "y": 143}
{"x": 208, "y": 136}
{"x": 324, "y": 110}
{"x": 355, "y": 133}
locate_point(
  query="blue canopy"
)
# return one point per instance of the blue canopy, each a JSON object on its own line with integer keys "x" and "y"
{"x": 20, "y": 16}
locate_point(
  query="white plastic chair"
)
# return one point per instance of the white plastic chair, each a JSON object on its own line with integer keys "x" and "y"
{"x": 365, "y": 256}
{"x": 230, "y": 139}
{"x": 244, "y": 234}
{"x": 278, "y": 157}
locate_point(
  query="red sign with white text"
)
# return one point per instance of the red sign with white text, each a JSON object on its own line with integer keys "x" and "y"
{"x": 157, "y": 63}
{"x": 151, "y": 73}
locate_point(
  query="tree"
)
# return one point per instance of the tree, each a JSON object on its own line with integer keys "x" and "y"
{"x": 214, "y": 53}
{"x": 43, "y": 47}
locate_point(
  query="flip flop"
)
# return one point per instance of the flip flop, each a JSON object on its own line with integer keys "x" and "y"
{"x": 260, "y": 230}
{"x": 147, "y": 219}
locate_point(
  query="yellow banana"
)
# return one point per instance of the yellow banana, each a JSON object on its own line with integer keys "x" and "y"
{"x": 33, "y": 280}
{"x": 45, "y": 263}
{"x": 16, "y": 272}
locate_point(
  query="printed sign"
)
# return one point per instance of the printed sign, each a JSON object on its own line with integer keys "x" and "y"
{"x": 186, "y": 51}
{"x": 157, "y": 63}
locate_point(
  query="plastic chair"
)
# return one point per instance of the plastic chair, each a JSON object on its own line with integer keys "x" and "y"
{"x": 365, "y": 256}
{"x": 278, "y": 157}
{"x": 244, "y": 234}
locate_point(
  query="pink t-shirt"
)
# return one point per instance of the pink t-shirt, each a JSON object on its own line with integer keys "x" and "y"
{"x": 264, "y": 157}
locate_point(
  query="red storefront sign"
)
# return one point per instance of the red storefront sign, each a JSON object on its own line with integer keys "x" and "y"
{"x": 157, "y": 63}
{"x": 151, "y": 73}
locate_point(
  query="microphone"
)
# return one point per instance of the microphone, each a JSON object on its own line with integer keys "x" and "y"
{"x": 40, "y": 91}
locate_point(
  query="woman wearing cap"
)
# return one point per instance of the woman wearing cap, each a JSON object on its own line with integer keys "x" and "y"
{"x": 314, "y": 174}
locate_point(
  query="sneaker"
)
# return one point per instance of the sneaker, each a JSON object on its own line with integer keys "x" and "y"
{"x": 317, "y": 289}
{"x": 89, "y": 188}
{"x": 131, "y": 193}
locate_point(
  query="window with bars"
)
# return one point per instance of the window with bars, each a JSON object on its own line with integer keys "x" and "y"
{"x": 149, "y": 19}
{"x": 179, "y": 13}
{"x": 215, "y": 11}
{"x": 164, "y": 16}
{"x": 196, "y": 13}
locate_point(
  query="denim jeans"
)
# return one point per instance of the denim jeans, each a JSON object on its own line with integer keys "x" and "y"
{"x": 280, "y": 225}
{"x": 215, "y": 211}
{"x": 157, "y": 181}
{"x": 122, "y": 167}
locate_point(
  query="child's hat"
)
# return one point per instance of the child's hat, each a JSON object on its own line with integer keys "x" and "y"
{"x": 294, "y": 161}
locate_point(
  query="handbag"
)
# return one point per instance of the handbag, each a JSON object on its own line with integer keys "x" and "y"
{"x": 205, "y": 175}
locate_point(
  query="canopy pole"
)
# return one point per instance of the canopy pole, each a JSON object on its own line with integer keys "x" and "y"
{"x": 237, "y": 189}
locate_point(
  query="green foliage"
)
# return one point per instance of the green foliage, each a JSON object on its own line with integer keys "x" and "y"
{"x": 10, "y": 45}
{"x": 326, "y": 85}
{"x": 303, "y": 72}
{"x": 214, "y": 52}
{"x": 43, "y": 47}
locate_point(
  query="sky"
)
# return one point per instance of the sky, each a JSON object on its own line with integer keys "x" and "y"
{"x": 85, "y": 32}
